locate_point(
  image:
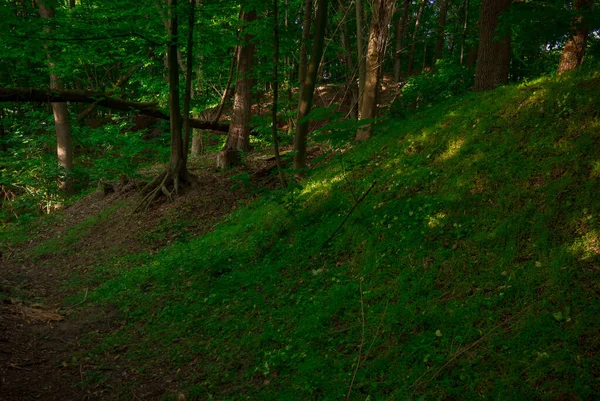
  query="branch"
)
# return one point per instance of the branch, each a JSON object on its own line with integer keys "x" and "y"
{"x": 101, "y": 99}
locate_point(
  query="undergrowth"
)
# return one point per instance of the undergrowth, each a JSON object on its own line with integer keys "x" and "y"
{"x": 470, "y": 271}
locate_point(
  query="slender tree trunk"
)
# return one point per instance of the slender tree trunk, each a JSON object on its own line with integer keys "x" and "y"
{"x": 197, "y": 143}
{"x": 383, "y": 10}
{"x": 574, "y": 50}
{"x": 463, "y": 41}
{"x": 306, "y": 25}
{"x": 413, "y": 47}
{"x": 439, "y": 42}
{"x": 493, "y": 60}
{"x": 351, "y": 77}
{"x": 401, "y": 25}
{"x": 275, "y": 85}
{"x": 360, "y": 45}
{"x": 238, "y": 138}
{"x": 3, "y": 146}
{"x": 64, "y": 143}
{"x": 187, "y": 129}
{"x": 308, "y": 88}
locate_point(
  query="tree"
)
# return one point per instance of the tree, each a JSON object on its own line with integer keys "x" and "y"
{"x": 383, "y": 10}
{"x": 411, "y": 56}
{"x": 308, "y": 88}
{"x": 493, "y": 60}
{"x": 401, "y": 25}
{"x": 574, "y": 50}
{"x": 238, "y": 138}
{"x": 64, "y": 143}
{"x": 439, "y": 42}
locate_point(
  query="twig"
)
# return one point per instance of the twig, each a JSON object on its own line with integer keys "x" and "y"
{"x": 376, "y": 332}
{"x": 362, "y": 341}
{"x": 462, "y": 351}
{"x": 362, "y": 198}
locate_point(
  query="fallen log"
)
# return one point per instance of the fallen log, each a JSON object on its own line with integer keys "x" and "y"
{"x": 100, "y": 99}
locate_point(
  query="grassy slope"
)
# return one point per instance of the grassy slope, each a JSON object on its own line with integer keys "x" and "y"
{"x": 477, "y": 252}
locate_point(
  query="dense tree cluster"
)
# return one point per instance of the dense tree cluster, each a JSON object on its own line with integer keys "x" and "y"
{"x": 84, "y": 61}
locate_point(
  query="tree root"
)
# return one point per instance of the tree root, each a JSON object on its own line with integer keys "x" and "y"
{"x": 160, "y": 185}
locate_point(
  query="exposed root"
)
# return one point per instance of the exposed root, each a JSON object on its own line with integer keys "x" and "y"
{"x": 160, "y": 185}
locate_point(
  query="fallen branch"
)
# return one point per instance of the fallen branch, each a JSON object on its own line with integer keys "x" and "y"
{"x": 101, "y": 99}
{"x": 362, "y": 198}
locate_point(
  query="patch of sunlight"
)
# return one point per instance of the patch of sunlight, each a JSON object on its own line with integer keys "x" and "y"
{"x": 587, "y": 246}
{"x": 316, "y": 187}
{"x": 595, "y": 170}
{"x": 454, "y": 147}
{"x": 436, "y": 220}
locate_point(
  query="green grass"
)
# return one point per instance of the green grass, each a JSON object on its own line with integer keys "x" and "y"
{"x": 470, "y": 271}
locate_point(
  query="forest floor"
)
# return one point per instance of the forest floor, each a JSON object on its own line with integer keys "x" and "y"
{"x": 454, "y": 256}
{"x": 40, "y": 330}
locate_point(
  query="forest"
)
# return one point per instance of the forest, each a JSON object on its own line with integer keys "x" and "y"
{"x": 299, "y": 200}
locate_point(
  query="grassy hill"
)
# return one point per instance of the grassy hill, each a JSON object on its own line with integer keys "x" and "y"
{"x": 456, "y": 255}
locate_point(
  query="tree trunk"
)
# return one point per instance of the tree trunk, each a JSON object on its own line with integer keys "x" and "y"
{"x": 383, "y": 10}
{"x": 574, "y": 50}
{"x": 351, "y": 77}
{"x": 401, "y": 25}
{"x": 411, "y": 56}
{"x": 308, "y": 88}
{"x": 493, "y": 60}
{"x": 275, "y": 86}
{"x": 463, "y": 41}
{"x": 238, "y": 138}
{"x": 3, "y": 146}
{"x": 439, "y": 42}
{"x": 306, "y": 24}
{"x": 187, "y": 129}
{"x": 64, "y": 143}
{"x": 360, "y": 45}
{"x": 197, "y": 143}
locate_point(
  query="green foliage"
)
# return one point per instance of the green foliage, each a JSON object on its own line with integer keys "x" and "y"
{"x": 468, "y": 272}
{"x": 431, "y": 87}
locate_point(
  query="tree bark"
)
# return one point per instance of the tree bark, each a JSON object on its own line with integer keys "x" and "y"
{"x": 493, "y": 60}
{"x": 574, "y": 50}
{"x": 413, "y": 47}
{"x": 64, "y": 143}
{"x": 401, "y": 25}
{"x": 308, "y": 88}
{"x": 238, "y": 138}
{"x": 383, "y": 10}
{"x": 439, "y": 42}
{"x": 101, "y": 99}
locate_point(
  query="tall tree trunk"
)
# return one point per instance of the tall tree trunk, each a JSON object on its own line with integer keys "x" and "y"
{"x": 574, "y": 50}
{"x": 187, "y": 129}
{"x": 177, "y": 159}
{"x": 275, "y": 86}
{"x": 238, "y": 138}
{"x": 383, "y": 10}
{"x": 197, "y": 143}
{"x": 360, "y": 45}
{"x": 308, "y": 88}
{"x": 351, "y": 77}
{"x": 64, "y": 143}
{"x": 306, "y": 25}
{"x": 413, "y": 47}
{"x": 401, "y": 25}
{"x": 3, "y": 146}
{"x": 493, "y": 60}
{"x": 463, "y": 41}
{"x": 439, "y": 42}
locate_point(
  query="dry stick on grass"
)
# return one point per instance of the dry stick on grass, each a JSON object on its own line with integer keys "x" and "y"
{"x": 362, "y": 198}
{"x": 465, "y": 349}
{"x": 362, "y": 341}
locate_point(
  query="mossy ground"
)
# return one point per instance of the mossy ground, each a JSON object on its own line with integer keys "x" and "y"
{"x": 470, "y": 271}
